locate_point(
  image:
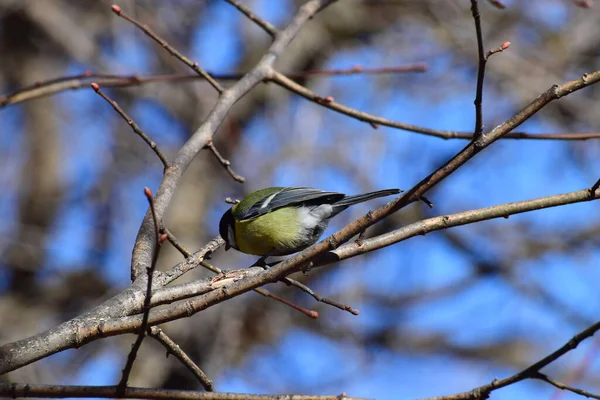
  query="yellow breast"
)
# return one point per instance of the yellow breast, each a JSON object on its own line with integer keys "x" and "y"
{"x": 275, "y": 233}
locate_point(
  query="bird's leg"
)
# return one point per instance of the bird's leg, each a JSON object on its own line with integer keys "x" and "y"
{"x": 261, "y": 262}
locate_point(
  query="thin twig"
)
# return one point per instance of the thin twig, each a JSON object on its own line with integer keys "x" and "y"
{"x": 14, "y": 390}
{"x": 532, "y": 371}
{"x": 150, "y": 271}
{"x": 358, "y": 69}
{"x": 583, "y": 3}
{"x": 577, "y": 374}
{"x": 224, "y": 162}
{"x": 57, "y": 85}
{"x": 308, "y": 94}
{"x": 497, "y": 4}
{"x": 266, "y": 26}
{"x": 500, "y": 49}
{"x": 173, "y": 240}
{"x": 481, "y": 70}
{"x": 309, "y": 313}
{"x": 78, "y": 81}
{"x": 426, "y": 226}
{"x": 193, "y": 65}
{"x": 133, "y": 125}
{"x": 173, "y": 348}
{"x": 320, "y": 298}
{"x": 562, "y": 386}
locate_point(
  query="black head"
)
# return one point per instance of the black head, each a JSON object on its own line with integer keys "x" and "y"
{"x": 227, "y": 229}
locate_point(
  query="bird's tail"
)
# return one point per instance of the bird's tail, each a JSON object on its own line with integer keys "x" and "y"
{"x": 359, "y": 198}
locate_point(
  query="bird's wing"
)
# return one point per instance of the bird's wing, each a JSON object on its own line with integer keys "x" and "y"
{"x": 292, "y": 196}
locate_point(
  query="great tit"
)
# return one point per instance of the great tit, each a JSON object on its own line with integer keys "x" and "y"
{"x": 278, "y": 221}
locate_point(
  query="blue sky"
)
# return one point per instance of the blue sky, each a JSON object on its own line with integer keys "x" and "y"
{"x": 303, "y": 360}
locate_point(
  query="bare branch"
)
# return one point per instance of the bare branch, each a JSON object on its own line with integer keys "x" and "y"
{"x": 266, "y": 26}
{"x": 224, "y": 162}
{"x": 173, "y": 348}
{"x": 452, "y": 220}
{"x": 481, "y": 70}
{"x": 500, "y": 49}
{"x": 133, "y": 125}
{"x": 63, "y": 391}
{"x": 150, "y": 271}
{"x": 319, "y": 298}
{"x": 562, "y": 386}
{"x": 309, "y": 313}
{"x": 78, "y": 81}
{"x": 530, "y": 372}
{"x": 57, "y": 85}
{"x": 193, "y": 65}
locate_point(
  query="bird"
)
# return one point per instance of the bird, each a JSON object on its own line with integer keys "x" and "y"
{"x": 279, "y": 221}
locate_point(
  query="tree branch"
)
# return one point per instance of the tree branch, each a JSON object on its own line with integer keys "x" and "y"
{"x": 132, "y": 124}
{"x": 143, "y": 246}
{"x": 63, "y": 391}
{"x": 173, "y": 348}
{"x": 146, "y": 310}
{"x": 193, "y": 65}
{"x": 482, "y": 392}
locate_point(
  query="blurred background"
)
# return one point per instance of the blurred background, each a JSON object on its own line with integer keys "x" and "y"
{"x": 439, "y": 314}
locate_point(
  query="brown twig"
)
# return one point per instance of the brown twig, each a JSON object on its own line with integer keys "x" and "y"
{"x": 173, "y": 348}
{"x": 309, "y": 313}
{"x": 266, "y": 26}
{"x": 500, "y": 49}
{"x": 308, "y": 94}
{"x": 193, "y": 65}
{"x": 319, "y": 298}
{"x": 15, "y": 390}
{"x": 452, "y": 220}
{"x": 173, "y": 240}
{"x": 78, "y": 81}
{"x": 57, "y": 85}
{"x": 583, "y": 3}
{"x": 224, "y": 162}
{"x": 590, "y": 356}
{"x": 497, "y": 4}
{"x": 562, "y": 386}
{"x": 481, "y": 70}
{"x": 531, "y": 372}
{"x": 133, "y": 125}
{"x": 358, "y": 69}
{"x": 150, "y": 271}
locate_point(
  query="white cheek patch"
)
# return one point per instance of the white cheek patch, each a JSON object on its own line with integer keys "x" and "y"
{"x": 268, "y": 200}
